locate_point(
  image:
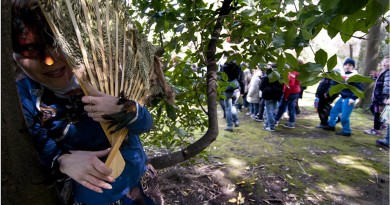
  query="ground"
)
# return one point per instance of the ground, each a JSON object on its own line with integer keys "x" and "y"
{"x": 304, "y": 165}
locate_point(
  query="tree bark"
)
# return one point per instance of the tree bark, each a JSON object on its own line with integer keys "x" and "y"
{"x": 370, "y": 62}
{"x": 212, "y": 131}
{"x": 21, "y": 181}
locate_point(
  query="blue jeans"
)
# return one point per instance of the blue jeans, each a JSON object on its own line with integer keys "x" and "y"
{"x": 254, "y": 108}
{"x": 342, "y": 107}
{"x": 290, "y": 104}
{"x": 230, "y": 110}
{"x": 386, "y": 139}
{"x": 270, "y": 106}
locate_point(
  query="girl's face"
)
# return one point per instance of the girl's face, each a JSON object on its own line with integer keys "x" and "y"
{"x": 348, "y": 67}
{"x": 386, "y": 63}
{"x": 43, "y": 63}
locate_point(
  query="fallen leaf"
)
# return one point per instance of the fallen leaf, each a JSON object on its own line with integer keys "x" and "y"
{"x": 241, "y": 182}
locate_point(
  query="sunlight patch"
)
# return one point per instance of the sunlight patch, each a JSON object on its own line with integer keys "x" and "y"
{"x": 355, "y": 162}
{"x": 339, "y": 192}
{"x": 320, "y": 167}
{"x": 237, "y": 167}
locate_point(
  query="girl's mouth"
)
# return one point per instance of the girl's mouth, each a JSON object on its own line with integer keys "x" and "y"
{"x": 56, "y": 73}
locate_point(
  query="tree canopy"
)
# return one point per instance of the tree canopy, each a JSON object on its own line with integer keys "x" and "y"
{"x": 258, "y": 31}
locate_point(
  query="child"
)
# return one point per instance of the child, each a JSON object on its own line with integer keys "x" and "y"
{"x": 346, "y": 102}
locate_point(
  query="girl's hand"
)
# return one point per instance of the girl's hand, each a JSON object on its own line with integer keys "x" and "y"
{"x": 99, "y": 104}
{"x": 86, "y": 168}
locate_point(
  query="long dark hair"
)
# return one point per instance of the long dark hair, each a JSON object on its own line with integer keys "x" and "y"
{"x": 26, "y": 14}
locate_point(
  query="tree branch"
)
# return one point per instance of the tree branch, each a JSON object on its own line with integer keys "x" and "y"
{"x": 211, "y": 76}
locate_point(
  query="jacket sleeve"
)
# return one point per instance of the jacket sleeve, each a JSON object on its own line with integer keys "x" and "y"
{"x": 241, "y": 82}
{"x": 143, "y": 122}
{"x": 291, "y": 83}
{"x": 386, "y": 85}
{"x": 45, "y": 146}
{"x": 263, "y": 83}
{"x": 332, "y": 83}
{"x": 320, "y": 88}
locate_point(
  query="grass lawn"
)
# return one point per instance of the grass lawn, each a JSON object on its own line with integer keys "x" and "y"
{"x": 304, "y": 165}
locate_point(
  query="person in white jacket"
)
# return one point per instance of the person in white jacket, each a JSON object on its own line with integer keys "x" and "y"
{"x": 253, "y": 96}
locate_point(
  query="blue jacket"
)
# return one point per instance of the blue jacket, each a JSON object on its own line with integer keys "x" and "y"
{"x": 63, "y": 125}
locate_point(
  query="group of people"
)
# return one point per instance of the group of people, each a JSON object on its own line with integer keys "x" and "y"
{"x": 64, "y": 123}
{"x": 268, "y": 101}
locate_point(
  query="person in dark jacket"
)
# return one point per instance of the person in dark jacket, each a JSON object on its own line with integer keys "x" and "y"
{"x": 379, "y": 95}
{"x": 236, "y": 77}
{"x": 64, "y": 124}
{"x": 324, "y": 101}
{"x": 346, "y": 102}
{"x": 272, "y": 93}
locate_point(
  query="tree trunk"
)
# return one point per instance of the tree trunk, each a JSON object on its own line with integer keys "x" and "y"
{"x": 212, "y": 131}
{"x": 370, "y": 62}
{"x": 21, "y": 181}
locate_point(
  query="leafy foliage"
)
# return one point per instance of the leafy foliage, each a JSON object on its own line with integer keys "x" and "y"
{"x": 258, "y": 31}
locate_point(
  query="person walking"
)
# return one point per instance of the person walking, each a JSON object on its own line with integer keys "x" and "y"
{"x": 291, "y": 94}
{"x": 253, "y": 94}
{"x": 271, "y": 93}
{"x": 379, "y": 95}
{"x": 324, "y": 100}
{"x": 235, "y": 76}
{"x": 345, "y": 103}
{"x": 385, "y": 141}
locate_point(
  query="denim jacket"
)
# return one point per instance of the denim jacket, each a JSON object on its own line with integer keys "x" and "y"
{"x": 58, "y": 125}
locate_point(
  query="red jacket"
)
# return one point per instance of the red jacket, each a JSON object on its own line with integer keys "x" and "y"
{"x": 293, "y": 85}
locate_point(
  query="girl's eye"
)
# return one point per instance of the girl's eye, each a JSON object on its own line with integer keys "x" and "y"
{"x": 30, "y": 51}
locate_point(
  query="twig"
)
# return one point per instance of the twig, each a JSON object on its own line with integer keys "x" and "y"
{"x": 302, "y": 168}
{"x": 281, "y": 142}
{"x": 376, "y": 175}
{"x": 253, "y": 170}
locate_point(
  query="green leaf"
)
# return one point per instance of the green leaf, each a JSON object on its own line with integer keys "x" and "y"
{"x": 291, "y": 60}
{"x": 320, "y": 57}
{"x": 328, "y": 4}
{"x": 306, "y": 34}
{"x": 314, "y": 67}
{"x": 291, "y": 33}
{"x": 278, "y": 41}
{"x": 334, "y": 26}
{"x": 360, "y": 79}
{"x": 273, "y": 75}
{"x": 355, "y": 90}
{"x": 336, "y": 89}
{"x": 248, "y": 12}
{"x": 332, "y": 62}
{"x": 347, "y": 29}
{"x": 347, "y": 7}
{"x": 311, "y": 82}
{"x": 376, "y": 8}
{"x": 171, "y": 111}
{"x": 336, "y": 76}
